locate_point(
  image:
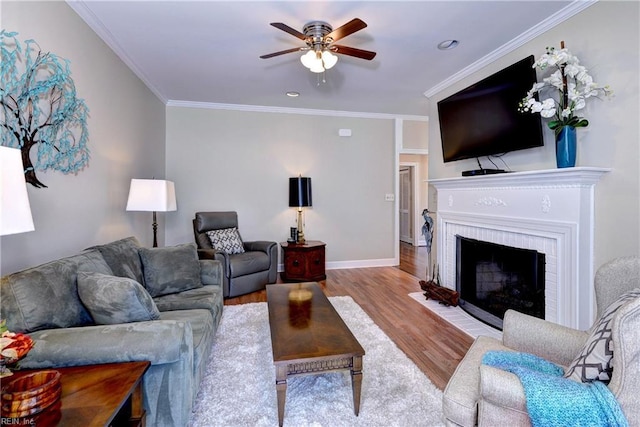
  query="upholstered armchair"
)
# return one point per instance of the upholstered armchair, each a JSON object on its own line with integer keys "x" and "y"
{"x": 478, "y": 394}
{"x": 248, "y": 266}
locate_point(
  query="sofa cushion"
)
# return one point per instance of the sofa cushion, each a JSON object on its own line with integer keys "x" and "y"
{"x": 226, "y": 240}
{"x": 122, "y": 257}
{"x": 46, "y": 296}
{"x": 206, "y": 297}
{"x": 171, "y": 269}
{"x": 595, "y": 360}
{"x": 112, "y": 300}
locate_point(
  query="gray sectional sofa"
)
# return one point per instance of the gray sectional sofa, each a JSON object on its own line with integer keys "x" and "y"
{"x": 121, "y": 302}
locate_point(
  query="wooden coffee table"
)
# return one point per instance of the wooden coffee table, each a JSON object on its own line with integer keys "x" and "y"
{"x": 309, "y": 337}
{"x": 94, "y": 395}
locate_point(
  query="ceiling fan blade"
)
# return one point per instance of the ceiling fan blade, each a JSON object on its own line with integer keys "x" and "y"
{"x": 352, "y": 51}
{"x": 282, "y": 52}
{"x": 288, "y": 29}
{"x": 356, "y": 24}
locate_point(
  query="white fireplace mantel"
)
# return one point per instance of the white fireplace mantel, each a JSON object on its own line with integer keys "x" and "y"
{"x": 551, "y": 211}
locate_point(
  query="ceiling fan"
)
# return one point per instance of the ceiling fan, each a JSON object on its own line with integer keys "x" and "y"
{"x": 319, "y": 38}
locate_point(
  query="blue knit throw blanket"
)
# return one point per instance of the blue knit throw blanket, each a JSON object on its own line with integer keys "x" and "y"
{"x": 556, "y": 401}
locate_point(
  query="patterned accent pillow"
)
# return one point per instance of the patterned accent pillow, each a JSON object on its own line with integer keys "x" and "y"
{"x": 226, "y": 240}
{"x": 595, "y": 360}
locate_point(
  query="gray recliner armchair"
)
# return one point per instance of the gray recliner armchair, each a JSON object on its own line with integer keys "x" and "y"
{"x": 483, "y": 395}
{"x": 244, "y": 272}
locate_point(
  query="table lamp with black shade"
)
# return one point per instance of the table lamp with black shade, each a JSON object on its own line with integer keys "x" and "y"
{"x": 299, "y": 197}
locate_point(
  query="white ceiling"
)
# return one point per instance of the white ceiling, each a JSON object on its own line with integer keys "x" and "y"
{"x": 191, "y": 52}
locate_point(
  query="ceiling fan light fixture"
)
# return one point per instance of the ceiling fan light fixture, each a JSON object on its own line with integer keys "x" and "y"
{"x": 319, "y": 61}
{"x": 313, "y": 61}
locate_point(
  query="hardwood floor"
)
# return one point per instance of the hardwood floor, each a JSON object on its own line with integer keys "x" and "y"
{"x": 433, "y": 344}
{"x": 413, "y": 259}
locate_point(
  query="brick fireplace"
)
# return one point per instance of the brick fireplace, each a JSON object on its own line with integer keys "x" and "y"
{"x": 550, "y": 211}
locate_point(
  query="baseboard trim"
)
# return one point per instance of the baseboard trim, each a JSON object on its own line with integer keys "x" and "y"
{"x": 362, "y": 263}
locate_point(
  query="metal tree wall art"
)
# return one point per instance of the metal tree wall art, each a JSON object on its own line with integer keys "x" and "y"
{"x": 39, "y": 109}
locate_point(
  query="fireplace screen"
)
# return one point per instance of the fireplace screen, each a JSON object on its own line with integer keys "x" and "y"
{"x": 492, "y": 278}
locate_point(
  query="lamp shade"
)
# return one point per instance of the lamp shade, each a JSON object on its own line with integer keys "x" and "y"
{"x": 155, "y": 195}
{"x": 15, "y": 211}
{"x": 300, "y": 192}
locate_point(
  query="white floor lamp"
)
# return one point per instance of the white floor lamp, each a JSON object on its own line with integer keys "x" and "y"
{"x": 152, "y": 195}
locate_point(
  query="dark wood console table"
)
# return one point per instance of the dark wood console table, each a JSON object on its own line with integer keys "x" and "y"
{"x": 303, "y": 262}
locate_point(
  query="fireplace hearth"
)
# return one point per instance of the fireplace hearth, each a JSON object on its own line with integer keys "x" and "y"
{"x": 493, "y": 278}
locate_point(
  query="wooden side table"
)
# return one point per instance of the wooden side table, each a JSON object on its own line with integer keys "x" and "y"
{"x": 303, "y": 262}
{"x": 94, "y": 396}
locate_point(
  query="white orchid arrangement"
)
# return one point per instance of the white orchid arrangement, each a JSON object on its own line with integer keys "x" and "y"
{"x": 572, "y": 85}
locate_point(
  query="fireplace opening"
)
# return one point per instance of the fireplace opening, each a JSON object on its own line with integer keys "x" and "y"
{"x": 492, "y": 278}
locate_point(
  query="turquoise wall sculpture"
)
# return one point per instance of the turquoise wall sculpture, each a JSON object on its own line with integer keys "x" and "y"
{"x": 39, "y": 109}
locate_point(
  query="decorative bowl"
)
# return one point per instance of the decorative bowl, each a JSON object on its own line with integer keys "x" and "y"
{"x": 30, "y": 394}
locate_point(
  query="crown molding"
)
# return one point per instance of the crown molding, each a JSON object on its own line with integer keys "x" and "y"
{"x": 289, "y": 110}
{"x": 557, "y": 18}
{"x": 80, "y": 7}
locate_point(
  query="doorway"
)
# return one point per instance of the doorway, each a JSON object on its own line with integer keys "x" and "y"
{"x": 406, "y": 203}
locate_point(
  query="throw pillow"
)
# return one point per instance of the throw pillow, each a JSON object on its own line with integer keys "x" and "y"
{"x": 226, "y": 240}
{"x": 111, "y": 300}
{"x": 170, "y": 270}
{"x": 595, "y": 360}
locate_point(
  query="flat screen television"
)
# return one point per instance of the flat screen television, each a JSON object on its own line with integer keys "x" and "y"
{"x": 483, "y": 119}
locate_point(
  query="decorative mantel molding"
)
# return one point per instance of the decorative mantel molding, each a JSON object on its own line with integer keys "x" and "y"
{"x": 551, "y": 211}
{"x": 578, "y": 176}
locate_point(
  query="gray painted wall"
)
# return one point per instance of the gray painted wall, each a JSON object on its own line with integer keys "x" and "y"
{"x": 242, "y": 161}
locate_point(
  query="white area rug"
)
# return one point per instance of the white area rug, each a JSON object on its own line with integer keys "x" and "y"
{"x": 458, "y": 318}
{"x": 239, "y": 386}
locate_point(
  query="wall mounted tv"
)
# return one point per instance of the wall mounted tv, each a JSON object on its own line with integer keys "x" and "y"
{"x": 483, "y": 119}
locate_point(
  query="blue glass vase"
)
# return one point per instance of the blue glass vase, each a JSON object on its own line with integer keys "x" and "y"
{"x": 566, "y": 147}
